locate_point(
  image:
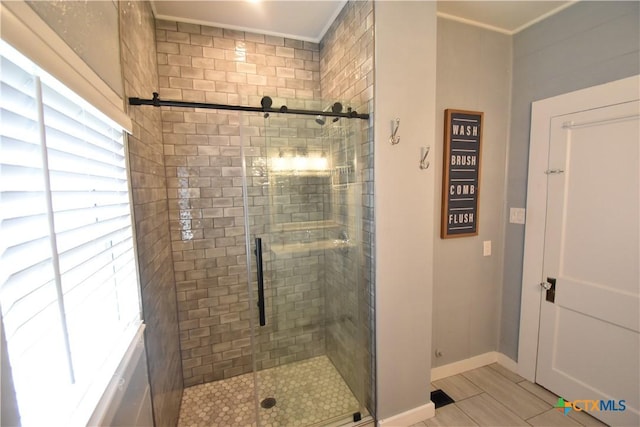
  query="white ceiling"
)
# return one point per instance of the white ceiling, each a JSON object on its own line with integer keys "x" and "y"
{"x": 309, "y": 20}
{"x": 508, "y": 17}
{"x": 303, "y": 20}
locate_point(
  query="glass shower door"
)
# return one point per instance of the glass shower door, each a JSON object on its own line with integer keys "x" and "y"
{"x": 303, "y": 201}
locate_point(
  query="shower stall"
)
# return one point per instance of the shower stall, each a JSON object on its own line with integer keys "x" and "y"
{"x": 275, "y": 305}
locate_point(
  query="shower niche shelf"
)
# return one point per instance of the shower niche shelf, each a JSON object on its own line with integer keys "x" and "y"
{"x": 301, "y": 173}
{"x": 320, "y": 245}
{"x": 305, "y": 225}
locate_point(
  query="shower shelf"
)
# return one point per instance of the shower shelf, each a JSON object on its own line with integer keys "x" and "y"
{"x": 320, "y": 245}
{"x": 305, "y": 225}
{"x": 301, "y": 173}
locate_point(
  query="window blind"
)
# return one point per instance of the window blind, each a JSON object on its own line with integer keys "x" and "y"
{"x": 68, "y": 280}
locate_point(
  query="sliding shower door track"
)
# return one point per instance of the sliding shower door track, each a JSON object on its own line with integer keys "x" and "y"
{"x": 265, "y": 108}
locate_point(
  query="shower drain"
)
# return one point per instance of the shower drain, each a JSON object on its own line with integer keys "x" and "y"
{"x": 269, "y": 402}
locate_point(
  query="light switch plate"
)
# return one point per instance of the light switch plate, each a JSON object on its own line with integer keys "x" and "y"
{"x": 517, "y": 215}
{"x": 486, "y": 248}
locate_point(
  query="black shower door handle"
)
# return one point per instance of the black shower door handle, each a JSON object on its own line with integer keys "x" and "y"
{"x": 263, "y": 320}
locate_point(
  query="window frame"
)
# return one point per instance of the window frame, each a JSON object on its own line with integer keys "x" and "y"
{"x": 23, "y": 29}
{"x": 26, "y": 32}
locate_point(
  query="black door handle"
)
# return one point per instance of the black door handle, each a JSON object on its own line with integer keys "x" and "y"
{"x": 258, "y": 253}
{"x": 551, "y": 289}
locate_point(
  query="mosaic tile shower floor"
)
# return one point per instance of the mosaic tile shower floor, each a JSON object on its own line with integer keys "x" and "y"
{"x": 308, "y": 393}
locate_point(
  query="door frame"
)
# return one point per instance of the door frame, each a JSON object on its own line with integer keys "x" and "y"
{"x": 616, "y": 92}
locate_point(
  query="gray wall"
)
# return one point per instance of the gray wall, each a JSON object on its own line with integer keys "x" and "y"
{"x": 151, "y": 213}
{"x": 587, "y": 44}
{"x": 473, "y": 73}
{"x": 405, "y": 74}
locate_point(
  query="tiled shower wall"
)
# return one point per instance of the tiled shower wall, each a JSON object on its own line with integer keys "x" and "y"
{"x": 346, "y": 69}
{"x": 294, "y": 274}
{"x": 148, "y": 182}
{"x": 204, "y": 169}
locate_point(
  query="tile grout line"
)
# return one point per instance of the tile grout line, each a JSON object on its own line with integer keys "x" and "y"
{"x": 496, "y": 399}
{"x": 500, "y": 373}
{"x": 513, "y": 382}
{"x": 483, "y": 391}
{"x": 506, "y": 408}
{"x": 552, "y": 407}
{"x": 468, "y": 415}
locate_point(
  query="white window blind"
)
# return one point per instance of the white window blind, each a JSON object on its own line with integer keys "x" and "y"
{"x": 68, "y": 280}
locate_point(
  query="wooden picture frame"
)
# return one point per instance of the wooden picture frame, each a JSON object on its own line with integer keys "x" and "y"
{"x": 461, "y": 173}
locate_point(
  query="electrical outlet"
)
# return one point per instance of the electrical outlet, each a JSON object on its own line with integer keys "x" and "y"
{"x": 517, "y": 215}
{"x": 486, "y": 248}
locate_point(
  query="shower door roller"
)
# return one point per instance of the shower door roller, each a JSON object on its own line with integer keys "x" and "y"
{"x": 260, "y": 278}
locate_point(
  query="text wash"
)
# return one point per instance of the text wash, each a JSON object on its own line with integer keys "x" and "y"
{"x": 468, "y": 130}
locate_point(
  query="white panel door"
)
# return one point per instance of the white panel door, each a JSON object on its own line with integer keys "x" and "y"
{"x": 589, "y": 342}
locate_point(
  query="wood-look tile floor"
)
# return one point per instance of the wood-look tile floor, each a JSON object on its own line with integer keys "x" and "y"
{"x": 494, "y": 396}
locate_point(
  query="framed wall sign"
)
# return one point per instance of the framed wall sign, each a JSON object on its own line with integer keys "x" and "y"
{"x": 461, "y": 173}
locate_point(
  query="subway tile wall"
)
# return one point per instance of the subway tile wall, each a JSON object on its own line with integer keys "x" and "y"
{"x": 204, "y": 168}
{"x": 203, "y": 157}
{"x": 346, "y": 69}
{"x": 294, "y": 263}
{"x": 149, "y": 193}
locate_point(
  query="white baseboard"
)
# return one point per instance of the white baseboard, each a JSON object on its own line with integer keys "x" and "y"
{"x": 507, "y": 362}
{"x": 410, "y": 417}
{"x": 473, "y": 363}
{"x": 428, "y": 410}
